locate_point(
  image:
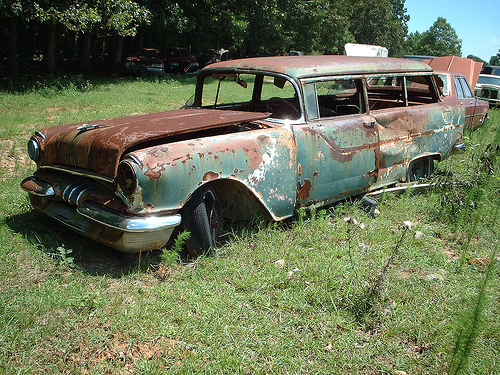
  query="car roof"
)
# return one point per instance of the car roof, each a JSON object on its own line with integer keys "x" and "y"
{"x": 313, "y": 66}
{"x": 445, "y": 72}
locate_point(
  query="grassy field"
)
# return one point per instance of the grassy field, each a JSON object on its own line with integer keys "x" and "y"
{"x": 336, "y": 291}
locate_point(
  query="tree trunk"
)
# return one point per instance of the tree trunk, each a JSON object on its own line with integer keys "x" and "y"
{"x": 50, "y": 49}
{"x": 12, "y": 69}
{"x": 116, "y": 53}
{"x": 85, "y": 52}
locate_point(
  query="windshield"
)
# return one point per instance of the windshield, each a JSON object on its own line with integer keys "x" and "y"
{"x": 251, "y": 92}
{"x": 490, "y": 80}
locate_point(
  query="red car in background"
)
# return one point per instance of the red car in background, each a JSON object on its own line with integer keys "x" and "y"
{"x": 456, "y": 84}
{"x": 180, "y": 60}
{"x": 146, "y": 61}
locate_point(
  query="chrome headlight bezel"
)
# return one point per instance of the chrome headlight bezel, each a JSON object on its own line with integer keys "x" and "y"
{"x": 34, "y": 149}
{"x": 126, "y": 177}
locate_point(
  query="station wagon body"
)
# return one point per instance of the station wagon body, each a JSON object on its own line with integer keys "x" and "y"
{"x": 261, "y": 136}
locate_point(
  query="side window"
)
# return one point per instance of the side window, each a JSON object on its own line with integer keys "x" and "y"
{"x": 385, "y": 92}
{"x": 340, "y": 97}
{"x": 460, "y": 92}
{"x": 280, "y": 98}
{"x": 400, "y": 91}
{"x": 420, "y": 90}
{"x": 442, "y": 82}
{"x": 311, "y": 100}
{"x": 467, "y": 90}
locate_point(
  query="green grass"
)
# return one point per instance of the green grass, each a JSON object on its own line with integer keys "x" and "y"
{"x": 241, "y": 311}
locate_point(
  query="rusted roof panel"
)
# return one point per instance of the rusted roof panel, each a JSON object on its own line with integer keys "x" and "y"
{"x": 311, "y": 66}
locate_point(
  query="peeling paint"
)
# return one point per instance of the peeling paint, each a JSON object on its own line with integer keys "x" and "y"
{"x": 303, "y": 191}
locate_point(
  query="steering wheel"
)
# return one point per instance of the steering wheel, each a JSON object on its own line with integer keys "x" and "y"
{"x": 282, "y": 109}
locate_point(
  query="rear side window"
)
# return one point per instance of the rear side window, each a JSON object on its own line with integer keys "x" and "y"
{"x": 460, "y": 91}
{"x": 466, "y": 88}
{"x": 400, "y": 91}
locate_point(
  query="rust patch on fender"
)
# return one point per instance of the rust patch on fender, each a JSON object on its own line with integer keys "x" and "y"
{"x": 155, "y": 172}
{"x": 210, "y": 176}
{"x": 304, "y": 191}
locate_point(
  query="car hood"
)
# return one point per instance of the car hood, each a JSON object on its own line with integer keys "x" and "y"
{"x": 97, "y": 146}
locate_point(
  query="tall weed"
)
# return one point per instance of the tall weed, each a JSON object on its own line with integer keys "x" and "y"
{"x": 470, "y": 323}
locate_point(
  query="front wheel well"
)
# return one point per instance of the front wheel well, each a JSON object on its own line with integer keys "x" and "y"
{"x": 237, "y": 201}
{"x": 211, "y": 208}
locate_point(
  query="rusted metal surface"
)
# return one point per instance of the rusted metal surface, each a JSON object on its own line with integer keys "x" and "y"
{"x": 250, "y": 159}
{"x": 265, "y": 162}
{"x": 98, "y": 145}
{"x": 310, "y": 66}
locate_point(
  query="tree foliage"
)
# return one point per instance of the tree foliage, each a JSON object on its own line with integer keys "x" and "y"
{"x": 76, "y": 33}
{"x": 475, "y": 58}
{"x": 383, "y": 23}
{"x": 495, "y": 60}
{"x": 440, "y": 40}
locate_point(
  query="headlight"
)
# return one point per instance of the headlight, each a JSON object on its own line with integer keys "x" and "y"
{"x": 126, "y": 178}
{"x": 34, "y": 149}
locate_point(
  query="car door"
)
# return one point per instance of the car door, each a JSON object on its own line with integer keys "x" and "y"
{"x": 337, "y": 149}
{"x": 473, "y": 116}
{"x": 410, "y": 123}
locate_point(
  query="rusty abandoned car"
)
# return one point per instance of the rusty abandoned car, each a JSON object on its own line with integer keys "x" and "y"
{"x": 260, "y": 136}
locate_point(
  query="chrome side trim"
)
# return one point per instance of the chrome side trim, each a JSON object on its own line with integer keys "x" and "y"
{"x": 127, "y": 223}
{"x": 39, "y": 134}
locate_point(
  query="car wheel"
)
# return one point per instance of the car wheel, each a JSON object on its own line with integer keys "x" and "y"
{"x": 419, "y": 169}
{"x": 202, "y": 217}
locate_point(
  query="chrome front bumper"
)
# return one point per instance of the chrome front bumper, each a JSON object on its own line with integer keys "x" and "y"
{"x": 124, "y": 232}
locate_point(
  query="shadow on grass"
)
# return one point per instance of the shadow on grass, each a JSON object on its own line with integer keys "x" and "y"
{"x": 89, "y": 256}
{"x": 80, "y": 83}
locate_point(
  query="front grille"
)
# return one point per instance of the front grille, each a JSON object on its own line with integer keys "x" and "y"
{"x": 490, "y": 94}
{"x": 72, "y": 193}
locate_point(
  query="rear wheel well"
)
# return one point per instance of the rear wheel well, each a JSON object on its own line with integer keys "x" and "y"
{"x": 421, "y": 167}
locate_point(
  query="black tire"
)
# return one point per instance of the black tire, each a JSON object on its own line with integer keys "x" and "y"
{"x": 203, "y": 219}
{"x": 420, "y": 168}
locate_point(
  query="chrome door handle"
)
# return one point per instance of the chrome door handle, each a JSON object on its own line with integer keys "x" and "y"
{"x": 369, "y": 124}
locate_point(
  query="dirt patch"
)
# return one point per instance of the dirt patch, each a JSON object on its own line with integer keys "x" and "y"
{"x": 125, "y": 352}
{"x": 12, "y": 155}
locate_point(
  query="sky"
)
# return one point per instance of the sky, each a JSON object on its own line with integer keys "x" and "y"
{"x": 477, "y": 22}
